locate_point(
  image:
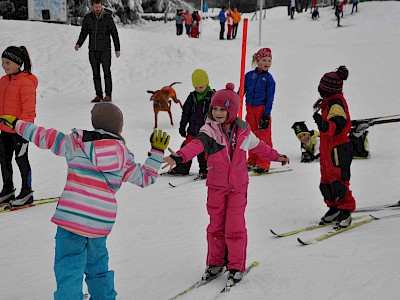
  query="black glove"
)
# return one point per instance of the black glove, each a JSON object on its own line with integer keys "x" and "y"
{"x": 264, "y": 123}
{"x": 182, "y": 132}
{"x": 306, "y": 158}
{"x": 177, "y": 159}
{"x": 322, "y": 125}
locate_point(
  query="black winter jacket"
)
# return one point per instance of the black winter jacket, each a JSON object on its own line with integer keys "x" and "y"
{"x": 99, "y": 30}
{"x": 194, "y": 112}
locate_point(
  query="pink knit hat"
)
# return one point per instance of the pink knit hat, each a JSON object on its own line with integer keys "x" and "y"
{"x": 263, "y": 52}
{"x": 227, "y": 99}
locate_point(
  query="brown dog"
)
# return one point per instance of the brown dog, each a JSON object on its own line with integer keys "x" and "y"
{"x": 162, "y": 101}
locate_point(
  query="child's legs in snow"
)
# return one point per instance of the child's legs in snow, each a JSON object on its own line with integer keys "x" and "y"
{"x": 253, "y": 117}
{"x": 69, "y": 264}
{"x": 216, "y": 205}
{"x": 227, "y": 227}
{"x": 235, "y": 229}
{"x": 99, "y": 279}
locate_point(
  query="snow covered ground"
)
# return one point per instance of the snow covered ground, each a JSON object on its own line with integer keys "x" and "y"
{"x": 158, "y": 245}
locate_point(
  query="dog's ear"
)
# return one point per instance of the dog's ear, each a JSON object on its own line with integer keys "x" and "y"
{"x": 150, "y": 92}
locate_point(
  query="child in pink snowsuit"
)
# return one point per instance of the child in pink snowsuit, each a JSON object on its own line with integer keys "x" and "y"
{"x": 226, "y": 139}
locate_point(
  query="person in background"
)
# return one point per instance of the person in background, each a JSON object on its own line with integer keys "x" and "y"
{"x": 236, "y": 20}
{"x": 188, "y": 21}
{"x": 179, "y": 22}
{"x": 194, "y": 114}
{"x": 226, "y": 139}
{"x": 336, "y": 150}
{"x": 99, "y": 25}
{"x": 355, "y": 5}
{"x": 229, "y": 21}
{"x": 222, "y": 21}
{"x": 98, "y": 163}
{"x": 17, "y": 97}
{"x": 315, "y": 14}
{"x": 194, "y": 30}
{"x": 309, "y": 142}
{"x": 259, "y": 89}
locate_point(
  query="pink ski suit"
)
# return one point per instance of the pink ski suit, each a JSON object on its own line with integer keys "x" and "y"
{"x": 227, "y": 183}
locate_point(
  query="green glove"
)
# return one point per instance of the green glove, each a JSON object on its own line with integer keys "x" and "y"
{"x": 159, "y": 140}
{"x": 9, "y": 120}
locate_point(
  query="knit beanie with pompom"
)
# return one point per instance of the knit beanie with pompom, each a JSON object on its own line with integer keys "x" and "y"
{"x": 227, "y": 99}
{"x": 332, "y": 83}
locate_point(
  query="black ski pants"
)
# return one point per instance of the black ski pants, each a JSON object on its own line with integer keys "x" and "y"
{"x": 221, "y": 32}
{"x": 10, "y": 143}
{"x": 102, "y": 58}
{"x": 234, "y": 30}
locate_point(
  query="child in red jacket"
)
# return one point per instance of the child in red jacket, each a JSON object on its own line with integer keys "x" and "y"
{"x": 226, "y": 139}
{"x": 336, "y": 150}
{"x": 17, "y": 98}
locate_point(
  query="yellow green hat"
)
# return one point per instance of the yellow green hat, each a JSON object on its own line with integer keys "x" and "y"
{"x": 199, "y": 78}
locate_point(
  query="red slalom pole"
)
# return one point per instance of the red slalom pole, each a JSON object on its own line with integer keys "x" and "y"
{"x": 243, "y": 66}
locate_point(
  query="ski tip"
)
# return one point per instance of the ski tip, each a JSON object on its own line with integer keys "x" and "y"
{"x": 276, "y": 234}
{"x": 303, "y": 242}
{"x": 171, "y": 185}
{"x": 256, "y": 264}
{"x": 273, "y": 232}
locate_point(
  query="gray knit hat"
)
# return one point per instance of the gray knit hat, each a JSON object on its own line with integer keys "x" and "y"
{"x": 108, "y": 117}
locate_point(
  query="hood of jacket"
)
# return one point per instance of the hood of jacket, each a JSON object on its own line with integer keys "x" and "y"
{"x": 106, "y": 154}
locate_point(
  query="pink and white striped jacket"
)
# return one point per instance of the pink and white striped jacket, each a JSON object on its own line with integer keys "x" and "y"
{"x": 224, "y": 171}
{"x": 96, "y": 170}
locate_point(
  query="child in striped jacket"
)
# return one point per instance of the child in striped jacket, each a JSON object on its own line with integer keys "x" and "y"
{"x": 98, "y": 163}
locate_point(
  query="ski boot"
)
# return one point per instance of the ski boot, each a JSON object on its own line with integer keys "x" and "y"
{"x": 210, "y": 272}
{"x": 343, "y": 219}
{"x": 234, "y": 276}
{"x": 25, "y": 197}
{"x": 330, "y": 216}
{"x": 6, "y": 195}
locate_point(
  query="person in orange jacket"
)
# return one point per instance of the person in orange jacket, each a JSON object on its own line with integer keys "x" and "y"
{"x": 236, "y": 19}
{"x": 17, "y": 98}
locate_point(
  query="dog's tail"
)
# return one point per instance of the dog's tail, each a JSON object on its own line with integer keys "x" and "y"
{"x": 174, "y": 83}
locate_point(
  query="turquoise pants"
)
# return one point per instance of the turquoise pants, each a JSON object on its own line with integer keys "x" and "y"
{"x": 78, "y": 255}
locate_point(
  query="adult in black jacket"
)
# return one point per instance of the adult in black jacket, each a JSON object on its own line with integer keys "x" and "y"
{"x": 99, "y": 25}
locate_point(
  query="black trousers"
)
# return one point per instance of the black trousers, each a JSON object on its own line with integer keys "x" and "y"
{"x": 10, "y": 143}
{"x": 184, "y": 168}
{"x": 179, "y": 29}
{"x": 221, "y": 33}
{"x": 234, "y": 29}
{"x": 96, "y": 59}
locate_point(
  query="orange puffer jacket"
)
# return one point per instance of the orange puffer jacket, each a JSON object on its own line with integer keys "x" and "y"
{"x": 18, "y": 97}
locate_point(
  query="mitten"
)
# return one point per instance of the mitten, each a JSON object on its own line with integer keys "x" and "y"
{"x": 322, "y": 125}
{"x": 9, "y": 120}
{"x": 159, "y": 140}
{"x": 264, "y": 123}
{"x": 182, "y": 132}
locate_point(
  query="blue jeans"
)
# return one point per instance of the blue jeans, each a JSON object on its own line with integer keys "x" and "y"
{"x": 77, "y": 255}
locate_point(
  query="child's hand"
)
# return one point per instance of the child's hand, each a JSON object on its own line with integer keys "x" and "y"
{"x": 9, "y": 120}
{"x": 171, "y": 160}
{"x": 283, "y": 159}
